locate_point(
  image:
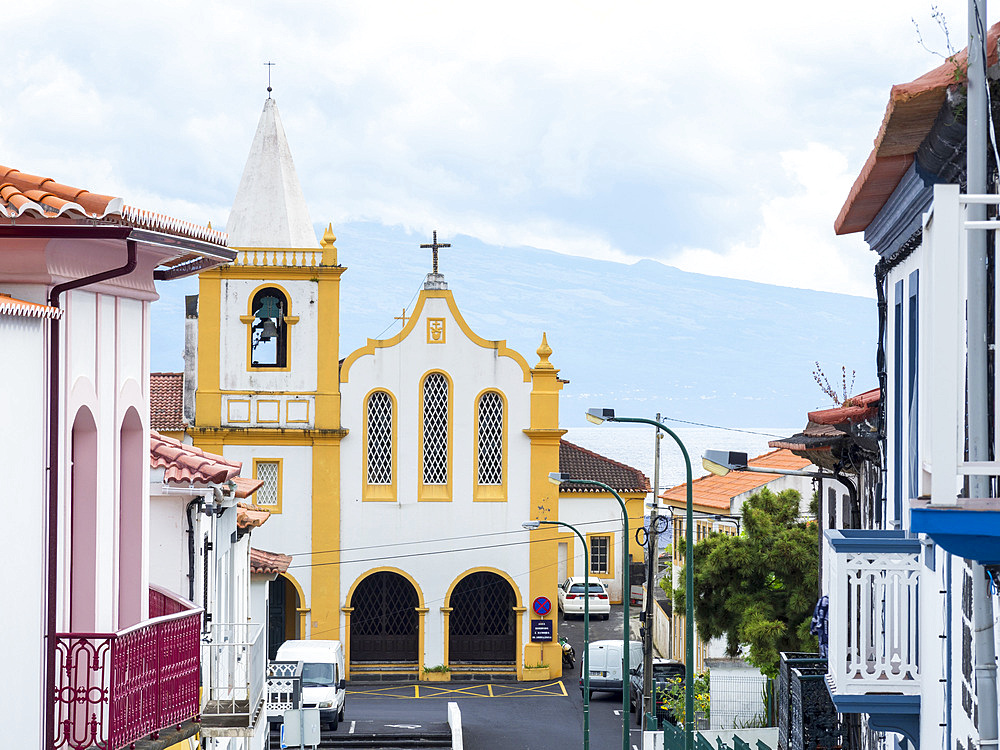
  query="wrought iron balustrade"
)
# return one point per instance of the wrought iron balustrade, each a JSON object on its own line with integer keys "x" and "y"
{"x": 874, "y": 612}
{"x": 115, "y": 688}
{"x": 234, "y": 661}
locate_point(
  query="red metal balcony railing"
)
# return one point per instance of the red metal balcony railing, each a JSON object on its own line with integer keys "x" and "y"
{"x": 115, "y": 688}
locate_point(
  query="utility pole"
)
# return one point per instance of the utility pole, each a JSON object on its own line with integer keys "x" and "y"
{"x": 652, "y": 562}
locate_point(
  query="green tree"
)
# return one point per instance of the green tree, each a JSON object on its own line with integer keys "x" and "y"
{"x": 758, "y": 590}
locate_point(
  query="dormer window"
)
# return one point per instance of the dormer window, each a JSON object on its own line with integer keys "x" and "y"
{"x": 269, "y": 329}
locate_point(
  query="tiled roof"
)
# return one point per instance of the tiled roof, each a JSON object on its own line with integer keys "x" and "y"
{"x": 23, "y": 194}
{"x": 262, "y": 561}
{"x": 11, "y": 306}
{"x": 250, "y": 516}
{"x": 854, "y": 410}
{"x": 715, "y": 493}
{"x": 245, "y": 486}
{"x": 583, "y": 464}
{"x": 185, "y": 463}
{"x": 909, "y": 117}
{"x": 166, "y": 401}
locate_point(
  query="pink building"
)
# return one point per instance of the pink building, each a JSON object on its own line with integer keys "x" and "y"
{"x": 101, "y": 659}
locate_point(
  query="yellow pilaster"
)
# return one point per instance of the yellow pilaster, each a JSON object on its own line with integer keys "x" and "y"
{"x": 325, "y": 599}
{"x": 544, "y": 556}
{"x": 446, "y": 622}
{"x": 328, "y": 345}
{"x": 208, "y": 404}
{"x": 347, "y": 641}
{"x": 421, "y": 624}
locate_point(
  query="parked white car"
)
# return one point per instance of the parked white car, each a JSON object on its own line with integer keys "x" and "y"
{"x": 571, "y": 597}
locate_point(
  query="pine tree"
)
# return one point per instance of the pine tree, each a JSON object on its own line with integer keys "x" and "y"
{"x": 758, "y": 590}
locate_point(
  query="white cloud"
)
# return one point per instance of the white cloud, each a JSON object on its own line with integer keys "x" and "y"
{"x": 794, "y": 244}
{"x": 522, "y": 122}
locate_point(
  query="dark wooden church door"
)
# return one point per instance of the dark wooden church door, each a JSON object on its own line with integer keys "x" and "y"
{"x": 482, "y": 625}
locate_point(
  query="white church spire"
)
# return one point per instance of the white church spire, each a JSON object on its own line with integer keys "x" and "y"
{"x": 269, "y": 209}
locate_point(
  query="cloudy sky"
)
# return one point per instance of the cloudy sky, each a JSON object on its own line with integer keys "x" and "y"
{"x": 717, "y": 137}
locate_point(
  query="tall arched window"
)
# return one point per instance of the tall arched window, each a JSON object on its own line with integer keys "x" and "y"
{"x": 269, "y": 329}
{"x": 380, "y": 439}
{"x": 435, "y": 438}
{"x": 490, "y": 438}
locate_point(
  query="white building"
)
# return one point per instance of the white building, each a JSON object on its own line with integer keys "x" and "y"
{"x": 906, "y": 585}
{"x": 398, "y": 477}
{"x": 76, "y": 272}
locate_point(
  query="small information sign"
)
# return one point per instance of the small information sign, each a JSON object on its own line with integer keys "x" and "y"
{"x": 541, "y": 631}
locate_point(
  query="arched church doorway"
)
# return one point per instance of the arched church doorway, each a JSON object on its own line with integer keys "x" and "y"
{"x": 482, "y": 625}
{"x": 384, "y": 623}
{"x": 282, "y": 614}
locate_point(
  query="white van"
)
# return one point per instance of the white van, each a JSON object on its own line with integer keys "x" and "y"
{"x": 323, "y": 684}
{"x": 604, "y": 663}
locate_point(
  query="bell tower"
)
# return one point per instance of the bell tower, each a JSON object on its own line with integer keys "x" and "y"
{"x": 268, "y": 384}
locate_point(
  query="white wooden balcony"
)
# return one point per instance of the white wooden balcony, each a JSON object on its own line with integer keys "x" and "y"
{"x": 234, "y": 664}
{"x": 874, "y": 612}
{"x": 965, "y": 526}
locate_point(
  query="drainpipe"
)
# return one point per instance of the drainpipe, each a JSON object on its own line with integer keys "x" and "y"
{"x": 190, "y": 531}
{"x": 53, "y": 464}
{"x": 977, "y": 364}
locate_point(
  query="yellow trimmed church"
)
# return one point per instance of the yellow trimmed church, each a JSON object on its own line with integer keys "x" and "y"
{"x": 399, "y": 476}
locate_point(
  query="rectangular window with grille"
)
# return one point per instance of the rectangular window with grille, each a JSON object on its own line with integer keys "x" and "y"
{"x": 268, "y": 471}
{"x": 600, "y": 555}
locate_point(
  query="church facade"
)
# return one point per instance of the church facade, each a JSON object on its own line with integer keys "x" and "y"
{"x": 398, "y": 477}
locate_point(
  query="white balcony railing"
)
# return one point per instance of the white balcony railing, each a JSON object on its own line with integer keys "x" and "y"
{"x": 234, "y": 664}
{"x": 874, "y": 612}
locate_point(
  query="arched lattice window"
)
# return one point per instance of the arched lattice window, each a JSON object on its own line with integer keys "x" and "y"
{"x": 268, "y": 329}
{"x": 379, "y": 438}
{"x": 490, "y": 422}
{"x": 435, "y": 427}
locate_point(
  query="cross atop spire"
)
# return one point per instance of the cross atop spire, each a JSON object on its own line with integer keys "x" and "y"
{"x": 269, "y": 66}
{"x": 435, "y": 246}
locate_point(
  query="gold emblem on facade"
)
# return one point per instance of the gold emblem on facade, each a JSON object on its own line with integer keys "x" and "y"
{"x": 435, "y": 330}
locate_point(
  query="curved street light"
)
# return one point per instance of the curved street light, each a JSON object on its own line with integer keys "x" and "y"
{"x": 597, "y": 416}
{"x": 559, "y": 478}
{"x": 585, "y": 661}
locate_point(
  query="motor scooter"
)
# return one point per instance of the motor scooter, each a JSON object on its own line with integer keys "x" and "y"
{"x": 568, "y": 654}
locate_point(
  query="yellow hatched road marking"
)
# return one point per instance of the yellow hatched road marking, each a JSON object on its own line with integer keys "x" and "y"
{"x": 474, "y": 690}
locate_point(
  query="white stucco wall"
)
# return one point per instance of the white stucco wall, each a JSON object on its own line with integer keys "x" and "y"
{"x": 436, "y": 543}
{"x": 290, "y": 531}
{"x": 22, "y": 401}
{"x": 105, "y": 370}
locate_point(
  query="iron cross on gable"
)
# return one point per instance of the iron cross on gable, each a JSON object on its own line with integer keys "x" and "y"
{"x": 435, "y": 246}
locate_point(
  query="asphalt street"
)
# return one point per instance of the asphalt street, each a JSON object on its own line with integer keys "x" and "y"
{"x": 504, "y": 715}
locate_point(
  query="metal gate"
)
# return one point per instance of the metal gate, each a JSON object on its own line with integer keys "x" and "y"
{"x": 384, "y": 622}
{"x": 482, "y": 625}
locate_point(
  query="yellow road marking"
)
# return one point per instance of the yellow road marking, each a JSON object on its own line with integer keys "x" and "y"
{"x": 473, "y": 690}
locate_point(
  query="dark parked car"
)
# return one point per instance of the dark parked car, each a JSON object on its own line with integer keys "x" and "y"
{"x": 667, "y": 673}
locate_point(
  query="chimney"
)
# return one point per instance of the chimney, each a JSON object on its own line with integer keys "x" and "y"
{"x": 190, "y": 355}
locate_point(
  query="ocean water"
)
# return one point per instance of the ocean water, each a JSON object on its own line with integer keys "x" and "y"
{"x": 634, "y": 445}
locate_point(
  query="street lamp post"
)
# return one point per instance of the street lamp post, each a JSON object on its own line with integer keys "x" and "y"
{"x": 558, "y": 478}
{"x": 608, "y": 415}
{"x": 585, "y": 661}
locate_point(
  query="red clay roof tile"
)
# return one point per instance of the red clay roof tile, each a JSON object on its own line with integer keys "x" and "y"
{"x": 186, "y": 463}
{"x": 714, "y": 494}
{"x": 250, "y": 516}
{"x": 262, "y": 561}
{"x": 43, "y": 198}
{"x": 909, "y": 117}
{"x": 583, "y": 464}
{"x": 11, "y": 306}
{"x": 166, "y": 401}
